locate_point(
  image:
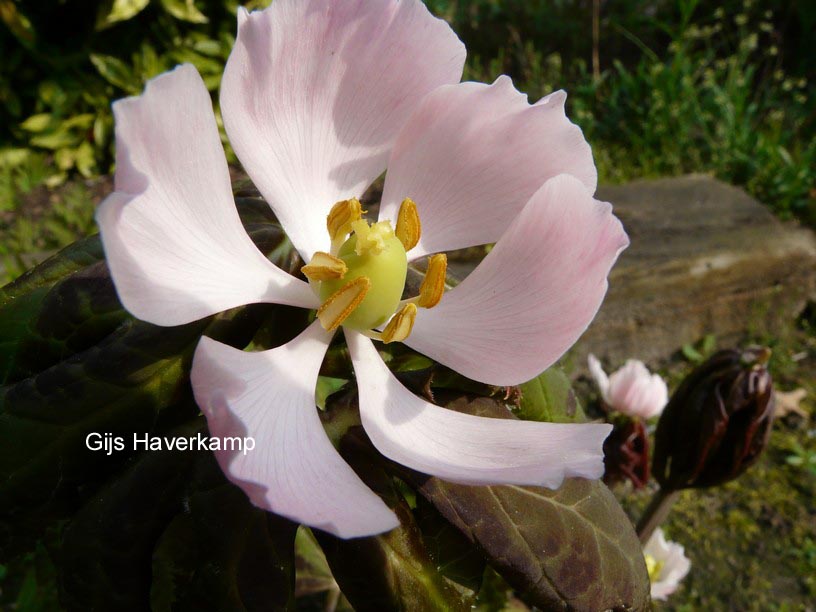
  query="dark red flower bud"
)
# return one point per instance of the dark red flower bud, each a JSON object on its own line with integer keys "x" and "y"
{"x": 626, "y": 453}
{"x": 717, "y": 422}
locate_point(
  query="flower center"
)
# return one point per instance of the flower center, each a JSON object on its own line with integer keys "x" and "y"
{"x": 373, "y": 252}
{"x": 361, "y": 281}
{"x": 653, "y": 567}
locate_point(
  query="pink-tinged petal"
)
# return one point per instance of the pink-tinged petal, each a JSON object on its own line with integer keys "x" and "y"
{"x": 173, "y": 240}
{"x": 636, "y": 392}
{"x": 293, "y": 470}
{"x": 472, "y": 156}
{"x": 464, "y": 448}
{"x": 600, "y": 377}
{"x": 315, "y": 92}
{"x": 533, "y": 295}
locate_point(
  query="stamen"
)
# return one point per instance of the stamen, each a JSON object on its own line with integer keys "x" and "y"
{"x": 342, "y": 303}
{"x": 324, "y": 267}
{"x": 409, "y": 229}
{"x": 433, "y": 287}
{"x": 400, "y": 325}
{"x": 340, "y": 218}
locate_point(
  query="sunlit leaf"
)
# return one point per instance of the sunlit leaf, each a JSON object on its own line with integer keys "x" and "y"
{"x": 116, "y": 72}
{"x": 120, "y": 10}
{"x": 37, "y": 123}
{"x": 185, "y": 10}
{"x": 549, "y": 397}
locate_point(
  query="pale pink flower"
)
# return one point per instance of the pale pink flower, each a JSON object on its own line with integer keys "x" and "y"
{"x": 318, "y": 97}
{"x": 666, "y": 563}
{"x": 632, "y": 390}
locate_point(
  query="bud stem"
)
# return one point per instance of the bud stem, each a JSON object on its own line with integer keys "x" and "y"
{"x": 655, "y": 513}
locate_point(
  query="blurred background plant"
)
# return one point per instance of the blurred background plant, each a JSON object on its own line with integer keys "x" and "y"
{"x": 663, "y": 87}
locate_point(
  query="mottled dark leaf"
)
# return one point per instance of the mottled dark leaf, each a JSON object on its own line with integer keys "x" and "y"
{"x": 75, "y": 363}
{"x": 453, "y": 554}
{"x": 392, "y": 571}
{"x": 172, "y": 533}
{"x": 121, "y": 385}
{"x": 570, "y": 549}
{"x": 68, "y": 303}
{"x": 44, "y": 316}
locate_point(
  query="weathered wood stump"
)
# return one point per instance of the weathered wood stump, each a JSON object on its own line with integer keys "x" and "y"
{"x": 705, "y": 258}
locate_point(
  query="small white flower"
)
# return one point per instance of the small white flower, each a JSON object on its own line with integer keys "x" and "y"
{"x": 666, "y": 563}
{"x": 631, "y": 390}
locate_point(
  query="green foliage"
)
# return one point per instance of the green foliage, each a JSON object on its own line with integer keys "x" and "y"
{"x": 40, "y": 221}
{"x": 700, "y": 351}
{"x": 549, "y": 397}
{"x": 56, "y": 88}
{"x": 681, "y": 86}
{"x": 696, "y": 89}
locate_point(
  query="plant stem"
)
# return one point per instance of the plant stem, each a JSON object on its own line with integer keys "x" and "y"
{"x": 655, "y": 513}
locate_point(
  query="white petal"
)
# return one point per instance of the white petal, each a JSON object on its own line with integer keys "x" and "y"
{"x": 675, "y": 564}
{"x": 293, "y": 470}
{"x": 472, "y": 156}
{"x": 315, "y": 92}
{"x": 464, "y": 448}
{"x": 601, "y": 379}
{"x": 173, "y": 240}
{"x": 533, "y": 295}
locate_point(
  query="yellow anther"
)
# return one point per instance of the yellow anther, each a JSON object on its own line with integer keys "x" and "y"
{"x": 340, "y": 218}
{"x": 371, "y": 239}
{"x": 434, "y": 284}
{"x": 324, "y": 267}
{"x": 400, "y": 325}
{"x": 342, "y": 303}
{"x": 409, "y": 229}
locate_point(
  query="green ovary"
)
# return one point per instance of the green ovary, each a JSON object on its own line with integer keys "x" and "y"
{"x": 385, "y": 265}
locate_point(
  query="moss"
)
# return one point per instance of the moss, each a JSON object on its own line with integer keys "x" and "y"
{"x": 752, "y": 542}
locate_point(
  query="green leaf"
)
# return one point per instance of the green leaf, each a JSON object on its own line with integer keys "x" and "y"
{"x": 313, "y": 574}
{"x": 17, "y": 23}
{"x": 549, "y": 397}
{"x": 184, "y": 10}
{"x": 119, "y": 10}
{"x": 55, "y": 140}
{"x": 37, "y": 123}
{"x": 116, "y": 72}
{"x": 691, "y": 353}
{"x": 327, "y": 385}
